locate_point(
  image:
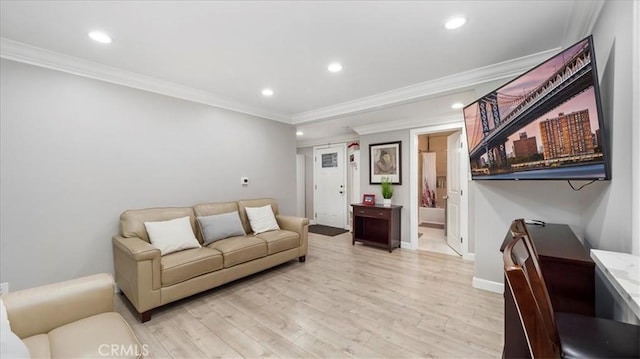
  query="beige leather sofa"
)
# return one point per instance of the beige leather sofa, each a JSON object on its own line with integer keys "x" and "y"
{"x": 150, "y": 280}
{"x": 72, "y": 319}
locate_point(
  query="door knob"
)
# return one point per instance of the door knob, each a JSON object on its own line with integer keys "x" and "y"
{"x": 445, "y": 197}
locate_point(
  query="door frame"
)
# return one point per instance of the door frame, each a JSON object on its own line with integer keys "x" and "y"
{"x": 464, "y": 183}
{"x": 345, "y": 220}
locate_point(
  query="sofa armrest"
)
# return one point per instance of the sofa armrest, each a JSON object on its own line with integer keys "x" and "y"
{"x": 42, "y": 309}
{"x": 290, "y": 223}
{"x": 296, "y": 224}
{"x": 136, "y": 248}
{"x": 138, "y": 274}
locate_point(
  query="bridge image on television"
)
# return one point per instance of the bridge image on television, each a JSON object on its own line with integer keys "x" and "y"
{"x": 544, "y": 124}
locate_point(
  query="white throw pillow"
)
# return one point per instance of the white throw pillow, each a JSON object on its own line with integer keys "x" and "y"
{"x": 262, "y": 219}
{"x": 172, "y": 236}
{"x": 10, "y": 344}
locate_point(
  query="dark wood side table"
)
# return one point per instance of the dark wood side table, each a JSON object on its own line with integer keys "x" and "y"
{"x": 568, "y": 272}
{"x": 377, "y": 225}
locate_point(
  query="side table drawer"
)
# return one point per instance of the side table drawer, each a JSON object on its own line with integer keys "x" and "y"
{"x": 372, "y": 212}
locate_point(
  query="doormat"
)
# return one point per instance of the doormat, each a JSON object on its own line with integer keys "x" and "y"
{"x": 432, "y": 225}
{"x": 326, "y": 230}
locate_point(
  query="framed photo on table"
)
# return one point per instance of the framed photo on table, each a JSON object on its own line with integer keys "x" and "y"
{"x": 385, "y": 161}
{"x": 369, "y": 199}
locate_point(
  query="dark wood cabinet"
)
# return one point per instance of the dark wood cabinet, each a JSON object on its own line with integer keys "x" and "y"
{"x": 377, "y": 225}
{"x": 568, "y": 272}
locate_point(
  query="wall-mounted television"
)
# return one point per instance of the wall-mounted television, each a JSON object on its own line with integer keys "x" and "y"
{"x": 546, "y": 124}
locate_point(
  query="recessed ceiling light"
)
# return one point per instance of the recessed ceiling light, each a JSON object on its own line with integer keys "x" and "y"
{"x": 457, "y": 105}
{"x": 267, "y": 92}
{"x": 334, "y": 67}
{"x": 455, "y": 22}
{"x": 100, "y": 37}
{"x": 299, "y": 133}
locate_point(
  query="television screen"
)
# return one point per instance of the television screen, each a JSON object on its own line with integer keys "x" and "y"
{"x": 545, "y": 124}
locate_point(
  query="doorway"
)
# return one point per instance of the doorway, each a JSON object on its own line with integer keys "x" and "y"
{"x": 329, "y": 184}
{"x": 440, "y": 204}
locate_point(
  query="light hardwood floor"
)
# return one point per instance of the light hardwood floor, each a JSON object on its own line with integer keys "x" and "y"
{"x": 344, "y": 301}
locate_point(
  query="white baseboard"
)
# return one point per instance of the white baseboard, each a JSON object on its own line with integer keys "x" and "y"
{"x": 407, "y": 245}
{"x": 469, "y": 257}
{"x": 488, "y": 285}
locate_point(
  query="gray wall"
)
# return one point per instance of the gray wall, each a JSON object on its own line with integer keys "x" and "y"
{"x": 601, "y": 212}
{"x": 471, "y": 224}
{"x": 607, "y": 219}
{"x": 401, "y": 195}
{"x": 76, "y": 152}
{"x": 496, "y": 204}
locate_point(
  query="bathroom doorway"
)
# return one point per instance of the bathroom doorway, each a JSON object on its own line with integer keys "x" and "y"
{"x": 430, "y": 212}
{"x": 435, "y": 213}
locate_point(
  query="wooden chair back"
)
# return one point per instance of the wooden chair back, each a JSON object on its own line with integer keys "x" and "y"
{"x": 519, "y": 228}
{"x": 523, "y": 275}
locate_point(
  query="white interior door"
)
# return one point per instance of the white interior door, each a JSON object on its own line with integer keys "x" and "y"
{"x": 453, "y": 192}
{"x": 330, "y": 193}
{"x": 300, "y": 186}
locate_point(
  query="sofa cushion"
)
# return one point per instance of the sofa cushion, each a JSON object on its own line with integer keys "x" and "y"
{"x": 132, "y": 221}
{"x": 236, "y": 250}
{"x": 38, "y": 346}
{"x": 172, "y": 235}
{"x": 278, "y": 241}
{"x": 92, "y": 338}
{"x": 180, "y": 266}
{"x": 255, "y": 203}
{"x": 220, "y": 226}
{"x": 262, "y": 219}
{"x": 208, "y": 209}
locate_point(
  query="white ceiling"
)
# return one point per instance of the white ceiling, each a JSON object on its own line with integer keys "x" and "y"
{"x": 225, "y": 52}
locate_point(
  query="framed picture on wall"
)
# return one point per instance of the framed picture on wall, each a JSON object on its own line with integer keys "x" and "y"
{"x": 386, "y": 161}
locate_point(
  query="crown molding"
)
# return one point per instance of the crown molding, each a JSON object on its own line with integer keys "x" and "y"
{"x": 437, "y": 87}
{"x": 327, "y": 140}
{"x": 584, "y": 15}
{"x": 21, "y": 52}
{"x": 407, "y": 124}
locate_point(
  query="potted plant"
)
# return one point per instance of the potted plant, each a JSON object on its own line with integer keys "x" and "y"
{"x": 387, "y": 191}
